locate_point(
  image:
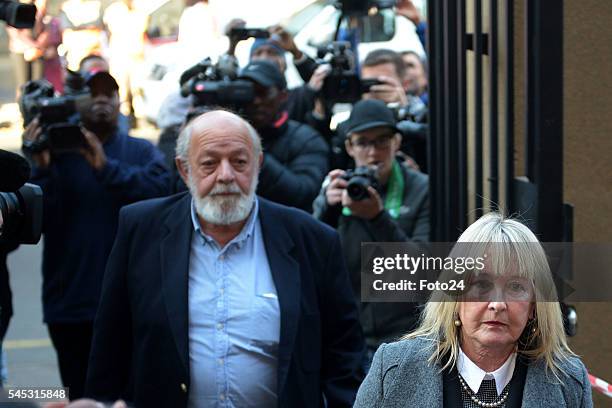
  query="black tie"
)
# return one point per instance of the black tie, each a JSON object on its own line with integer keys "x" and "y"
{"x": 487, "y": 391}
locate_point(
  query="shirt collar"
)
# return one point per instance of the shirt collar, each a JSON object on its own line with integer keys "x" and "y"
{"x": 245, "y": 233}
{"x": 473, "y": 375}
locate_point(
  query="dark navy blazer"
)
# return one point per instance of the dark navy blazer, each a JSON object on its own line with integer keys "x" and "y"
{"x": 140, "y": 348}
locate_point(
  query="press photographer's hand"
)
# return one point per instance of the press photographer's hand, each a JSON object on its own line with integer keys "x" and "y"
{"x": 366, "y": 209}
{"x": 285, "y": 40}
{"x": 317, "y": 78}
{"x": 94, "y": 151}
{"x": 335, "y": 188}
{"x": 30, "y": 135}
{"x": 407, "y": 9}
{"x": 389, "y": 91}
{"x": 233, "y": 41}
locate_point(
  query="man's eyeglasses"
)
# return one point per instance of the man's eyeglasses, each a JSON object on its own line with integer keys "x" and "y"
{"x": 378, "y": 143}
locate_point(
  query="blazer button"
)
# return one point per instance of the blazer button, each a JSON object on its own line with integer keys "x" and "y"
{"x": 183, "y": 387}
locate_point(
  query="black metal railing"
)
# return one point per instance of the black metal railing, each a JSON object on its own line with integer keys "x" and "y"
{"x": 461, "y": 191}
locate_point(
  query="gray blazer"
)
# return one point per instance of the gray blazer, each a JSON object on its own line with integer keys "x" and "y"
{"x": 402, "y": 377}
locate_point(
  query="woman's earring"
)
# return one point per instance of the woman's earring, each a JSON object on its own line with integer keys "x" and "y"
{"x": 534, "y": 325}
{"x": 457, "y": 322}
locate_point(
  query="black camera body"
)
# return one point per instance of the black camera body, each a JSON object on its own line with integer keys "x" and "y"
{"x": 17, "y": 14}
{"x": 362, "y": 7}
{"x": 59, "y": 116}
{"x": 342, "y": 84}
{"x": 20, "y": 203}
{"x": 242, "y": 33}
{"x": 22, "y": 214}
{"x": 216, "y": 84}
{"x": 359, "y": 179}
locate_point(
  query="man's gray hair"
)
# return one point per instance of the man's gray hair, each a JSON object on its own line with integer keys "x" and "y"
{"x": 184, "y": 138}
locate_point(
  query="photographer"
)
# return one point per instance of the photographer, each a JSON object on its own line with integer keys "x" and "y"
{"x": 396, "y": 211}
{"x": 300, "y": 100}
{"x": 84, "y": 189}
{"x": 295, "y": 159}
{"x": 416, "y": 75}
{"x": 386, "y": 72}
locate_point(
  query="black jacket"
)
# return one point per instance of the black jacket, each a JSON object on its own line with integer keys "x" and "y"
{"x": 383, "y": 321}
{"x": 140, "y": 348}
{"x": 295, "y": 164}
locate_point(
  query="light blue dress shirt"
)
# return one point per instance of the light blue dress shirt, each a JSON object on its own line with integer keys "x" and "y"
{"x": 234, "y": 320}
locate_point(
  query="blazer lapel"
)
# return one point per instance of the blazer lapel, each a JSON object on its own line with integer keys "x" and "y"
{"x": 175, "y": 249}
{"x": 286, "y": 275}
{"x": 417, "y": 381}
{"x": 541, "y": 389}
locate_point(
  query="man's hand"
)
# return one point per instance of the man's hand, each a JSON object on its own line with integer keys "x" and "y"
{"x": 284, "y": 40}
{"x": 335, "y": 188}
{"x": 366, "y": 209}
{"x": 233, "y": 41}
{"x": 407, "y": 9}
{"x": 389, "y": 91}
{"x": 31, "y": 134}
{"x": 317, "y": 78}
{"x": 94, "y": 151}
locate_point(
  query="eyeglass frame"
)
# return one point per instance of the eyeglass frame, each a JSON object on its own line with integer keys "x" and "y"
{"x": 378, "y": 143}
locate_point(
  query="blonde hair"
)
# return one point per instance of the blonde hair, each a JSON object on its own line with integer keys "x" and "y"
{"x": 519, "y": 249}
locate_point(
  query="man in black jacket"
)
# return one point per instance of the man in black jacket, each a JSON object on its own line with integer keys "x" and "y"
{"x": 300, "y": 100}
{"x": 398, "y": 211}
{"x": 295, "y": 155}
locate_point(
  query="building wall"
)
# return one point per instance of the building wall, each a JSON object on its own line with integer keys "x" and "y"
{"x": 588, "y": 159}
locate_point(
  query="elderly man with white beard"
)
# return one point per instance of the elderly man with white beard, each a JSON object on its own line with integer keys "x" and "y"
{"x": 217, "y": 297}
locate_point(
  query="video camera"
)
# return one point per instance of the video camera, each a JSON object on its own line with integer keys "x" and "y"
{"x": 361, "y": 7}
{"x": 359, "y": 180}
{"x": 17, "y": 14}
{"x": 216, "y": 84}
{"x": 20, "y": 203}
{"x": 342, "y": 84}
{"x": 59, "y": 116}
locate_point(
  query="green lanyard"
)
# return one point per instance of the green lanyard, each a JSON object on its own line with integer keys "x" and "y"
{"x": 395, "y": 192}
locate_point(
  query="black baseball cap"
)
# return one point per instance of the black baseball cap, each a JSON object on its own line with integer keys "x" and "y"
{"x": 101, "y": 77}
{"x": 265, "y": 73}
{"x": 368, "y": 114}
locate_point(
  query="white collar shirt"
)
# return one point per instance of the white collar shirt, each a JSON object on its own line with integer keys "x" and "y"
{"x": 473, "y": 375}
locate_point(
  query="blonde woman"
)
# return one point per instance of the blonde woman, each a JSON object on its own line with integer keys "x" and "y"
{"x": 501, "y": 344}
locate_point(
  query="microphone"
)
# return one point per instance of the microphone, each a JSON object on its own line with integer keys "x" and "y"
{"x": 14, "y": 171}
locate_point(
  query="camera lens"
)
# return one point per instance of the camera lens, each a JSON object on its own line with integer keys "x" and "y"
{"x": 9, "y": 206}
{"x": 357, "y": 188}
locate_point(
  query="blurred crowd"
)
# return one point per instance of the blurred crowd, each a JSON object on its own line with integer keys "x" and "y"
{"x": 349, "y": 146}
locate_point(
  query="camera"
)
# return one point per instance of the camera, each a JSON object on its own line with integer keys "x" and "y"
{"x": 22, "y": 214}
{"x": 20, "y": 203}
{"x": 342, "y": 84}
{"x": 361, "y": 7}
{"x": 58, "y": 116}
{"x": 241, "y": 33}
{"x": 16, "y": 14}
{"x": 216, "y": 84}
{"x": 359, "y": 180}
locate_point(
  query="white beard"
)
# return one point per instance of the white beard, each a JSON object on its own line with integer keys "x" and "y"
{"x": 224, "y": 210}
